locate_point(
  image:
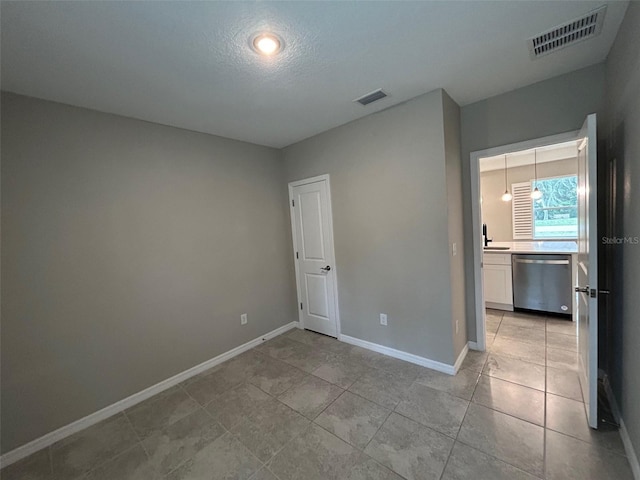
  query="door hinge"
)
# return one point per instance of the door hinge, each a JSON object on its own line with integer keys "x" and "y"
{"x": 293, "y": 203}
{"x": 300, "y": 305}
{"x": 297, "y": 255}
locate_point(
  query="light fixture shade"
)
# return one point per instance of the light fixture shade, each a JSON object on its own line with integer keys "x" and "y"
{"x": 536, "y": 194}
{"x": 506, "y": 196}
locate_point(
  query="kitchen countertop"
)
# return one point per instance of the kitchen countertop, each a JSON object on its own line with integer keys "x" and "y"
{"x": 534, "y": 247}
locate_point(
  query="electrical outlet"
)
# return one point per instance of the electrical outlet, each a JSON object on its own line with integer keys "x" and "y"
{"x": 383, "y": 319}
{"x": 243, "y": 319}
{"x": 454, "y": 249}
{"x": 457, "y": 326}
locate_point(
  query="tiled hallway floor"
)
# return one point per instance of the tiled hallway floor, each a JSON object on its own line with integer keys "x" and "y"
{"x": 303, "y": 406}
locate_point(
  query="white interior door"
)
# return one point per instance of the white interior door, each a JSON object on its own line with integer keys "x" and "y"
{"x": 587, "y": 269}
{"x": 314, "y": 255}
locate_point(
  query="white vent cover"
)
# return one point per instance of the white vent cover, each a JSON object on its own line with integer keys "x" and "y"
{"x": 574, "y": 31}
{"x": 371, "y": 97}
{"x": 522, "y": 209}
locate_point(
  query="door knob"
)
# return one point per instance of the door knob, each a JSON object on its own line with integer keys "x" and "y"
{"x": 326, "y": 269}
{"x": 582, "y": 290}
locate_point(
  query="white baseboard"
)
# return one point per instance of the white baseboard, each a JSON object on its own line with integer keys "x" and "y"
{"x": 628, "y": 448}
{"x": 499, "y": 306}
{"x": 392, "y": 352}
{"x": 74, "y": 427}
{"x": 461, "y": 357}
{"x": 473, "y": 346}
{"x": 624, "y": 434}
{"x": 611, "y": 397}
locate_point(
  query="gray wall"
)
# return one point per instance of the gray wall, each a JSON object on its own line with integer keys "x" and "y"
{"x": 453, "y": 169}
{"x": 129, "y": 251}
{"x": 623, "y": 100}
{"x": 498, "y": 214}
{"x": 389, "y": 196}
{"x": 546, "y": 108}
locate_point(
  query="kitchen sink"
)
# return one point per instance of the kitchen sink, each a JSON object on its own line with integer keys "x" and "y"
{"x": 497, "y": 248}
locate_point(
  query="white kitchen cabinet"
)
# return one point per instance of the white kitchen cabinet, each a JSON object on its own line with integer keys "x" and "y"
{"x": 498, "y": 283}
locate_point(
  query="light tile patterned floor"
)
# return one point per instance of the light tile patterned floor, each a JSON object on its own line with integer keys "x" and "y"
{"x": 305, "y": 406}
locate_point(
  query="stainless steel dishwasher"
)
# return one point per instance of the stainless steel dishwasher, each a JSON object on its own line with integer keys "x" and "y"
{"x": 542, "y": 282}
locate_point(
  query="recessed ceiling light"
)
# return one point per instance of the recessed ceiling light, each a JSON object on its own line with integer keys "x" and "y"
{"x": 267, "y": 44}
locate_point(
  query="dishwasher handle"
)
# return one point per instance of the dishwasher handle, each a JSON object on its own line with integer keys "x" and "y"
{"x": 541, "y": 262}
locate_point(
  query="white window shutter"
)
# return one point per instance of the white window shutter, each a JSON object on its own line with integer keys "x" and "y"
{"x": 522, "y": 210}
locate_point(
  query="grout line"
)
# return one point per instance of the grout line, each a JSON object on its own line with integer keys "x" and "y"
{"x": 184, "y": 461}
{"x": 455, "y": 440}
{"x": 306, "y": 374}
{"x": 373, "y": 401}
{"x": 385, "y": 467}
{"x": 500, "y": 324}
{"x": 510, "y": 414}
{"x": 50, "y": 459}
{"x": 377, "y": 430}
{"x": 292, "y": 386}
{"x": 325, "y": 408}
{"x": 444, "y": 469}
{"x": 546, "y": 392}
{"x": 595, "y": 446}
{"x": 499, "y": 459}
{"x": 226, "y": 430}
{"x": 544, "y": 445}
{"x": 275, "y": 398}
{"x": 544, "y": 406}
{"x": 263, "y": 467}
{"x": 360, "y": 451}
{"x": 144, "y": 449}
{"x": 339, "y": 354}
{"x": 286, "y": 444}
{"x": 515, "y": 383}
{"x": 464, "y": 417}
{"x": 426, "y": 426}
{"x": 271, "y": 471}
{"x": 263, "y": 464}
{"x": 104, "y": 463}
{"x": 357, "y": 377}
{"x": 507, "y": 355}
{"x": 188, "y": 394}
{"x": 248, "y": 380}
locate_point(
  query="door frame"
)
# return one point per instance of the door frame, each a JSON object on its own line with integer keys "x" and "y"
{"x": 297, "y": 183}
{"x": 474, "y": 157}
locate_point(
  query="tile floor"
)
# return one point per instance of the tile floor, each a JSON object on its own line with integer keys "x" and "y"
{"x": 305, "y": 406}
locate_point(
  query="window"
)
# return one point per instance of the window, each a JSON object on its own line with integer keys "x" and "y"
{"x": 554, "y": 216}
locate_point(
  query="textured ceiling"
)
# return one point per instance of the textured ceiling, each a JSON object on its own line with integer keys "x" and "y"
{"x": 188, "y": 64}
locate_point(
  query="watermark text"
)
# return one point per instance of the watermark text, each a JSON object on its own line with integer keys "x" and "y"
{"x": 621, "y": 240}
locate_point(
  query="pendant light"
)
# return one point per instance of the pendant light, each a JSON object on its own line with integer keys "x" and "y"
{"x": 536, "y": 194}
{"x": 506, "y": 196}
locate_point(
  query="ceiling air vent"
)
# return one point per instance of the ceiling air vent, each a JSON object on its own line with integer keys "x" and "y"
{"x": 583, "y": 28}
{"x": 371, "y": 97}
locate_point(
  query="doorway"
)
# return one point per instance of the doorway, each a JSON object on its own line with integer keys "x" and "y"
{"x": 584, "y": 305}
{"x": 517, "y": 226}
{"x": 314, "y": 255}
